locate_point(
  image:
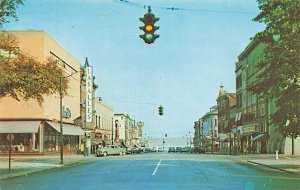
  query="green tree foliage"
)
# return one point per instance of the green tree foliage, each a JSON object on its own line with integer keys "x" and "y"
{"x": 23, "y": 76}
{"x": 8, "y": 9}
{"x": 280, "y": 72}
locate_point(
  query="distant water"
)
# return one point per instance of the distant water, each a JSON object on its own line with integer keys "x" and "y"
{"x": 169, "y": 142}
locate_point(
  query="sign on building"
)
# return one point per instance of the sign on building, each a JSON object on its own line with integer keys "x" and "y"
{"x": 89, "y": 94}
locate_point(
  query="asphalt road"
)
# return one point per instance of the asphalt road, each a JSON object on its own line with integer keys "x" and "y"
{"x": 157, "y": 171}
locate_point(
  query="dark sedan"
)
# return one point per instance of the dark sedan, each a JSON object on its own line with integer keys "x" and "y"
{"x": 172, "y": 149}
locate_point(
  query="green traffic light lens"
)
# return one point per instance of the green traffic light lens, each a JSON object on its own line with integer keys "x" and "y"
{"x": 149, "y": 36}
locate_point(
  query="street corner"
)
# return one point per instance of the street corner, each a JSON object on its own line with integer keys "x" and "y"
{"x": 282, "y": 165}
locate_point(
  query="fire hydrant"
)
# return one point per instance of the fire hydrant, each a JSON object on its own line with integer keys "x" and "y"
{"x": 276, "y": 151}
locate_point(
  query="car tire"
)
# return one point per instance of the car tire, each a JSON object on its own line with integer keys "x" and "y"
{"x": 105, "y": 154}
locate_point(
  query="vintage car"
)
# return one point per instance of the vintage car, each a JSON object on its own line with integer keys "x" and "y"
{"x": 172, "y": 149}
{"x": 135, "y": 150}
{"x": 110, "y": 150}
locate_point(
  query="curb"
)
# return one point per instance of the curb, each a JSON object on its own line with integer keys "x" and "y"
{"x": 280, "y": 169}
{"x": 26, "y": 173}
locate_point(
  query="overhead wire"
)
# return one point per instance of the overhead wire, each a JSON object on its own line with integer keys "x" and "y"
{"x": 129, "y": 3}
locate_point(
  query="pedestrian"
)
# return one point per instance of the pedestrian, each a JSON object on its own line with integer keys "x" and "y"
{"x": 30, "y": 145}
{"x": 103, "y": 143}
{"x": 245, "y": 149}
{"x": 88, "y": 146}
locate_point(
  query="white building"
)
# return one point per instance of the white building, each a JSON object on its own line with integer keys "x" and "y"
{"x": 104, "y": 122}
{"x": 126, "y": 128}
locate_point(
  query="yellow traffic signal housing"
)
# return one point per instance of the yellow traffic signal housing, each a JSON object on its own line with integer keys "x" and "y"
{"x": 149, "y": 19}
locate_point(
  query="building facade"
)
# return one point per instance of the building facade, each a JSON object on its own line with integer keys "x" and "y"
{"x": 226, "y": 103}
{"x": 257, "y": 133}
{"x": 104, "y": 131}
{"x": 197, "y": 134}
{"x": 210, "y": 130}
{"x": 36, "y": 127}
{"x": 128, "y": 129}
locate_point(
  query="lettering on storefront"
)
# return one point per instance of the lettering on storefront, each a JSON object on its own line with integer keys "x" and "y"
{"x": 66, "y": 112}
{"x": 89, "y": 95}
{"x": 249, "y": 129}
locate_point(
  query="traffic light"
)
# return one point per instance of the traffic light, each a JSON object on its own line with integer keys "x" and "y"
{"x": 160, "y": 110}
{"x": 149, "y": 19}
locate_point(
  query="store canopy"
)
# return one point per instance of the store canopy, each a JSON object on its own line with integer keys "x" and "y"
{"x": 68, "y": 129}
{"x": 19, "y": 126}
{"x": 258, "y": 137}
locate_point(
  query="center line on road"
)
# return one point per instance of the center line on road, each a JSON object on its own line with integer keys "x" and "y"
{"x": 154, "y": 172}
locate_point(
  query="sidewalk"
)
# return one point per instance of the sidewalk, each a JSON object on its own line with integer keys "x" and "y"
{"x": 287, "y": 163}
{"x": 24, "y": 165}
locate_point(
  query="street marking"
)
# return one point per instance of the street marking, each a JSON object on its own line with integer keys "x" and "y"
{"x": 159, "y": 165}
{"x": 154, "y": 172}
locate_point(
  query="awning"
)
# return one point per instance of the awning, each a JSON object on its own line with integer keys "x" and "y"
{"x": 19, "y": 126}
{"x": 68, "y": 129}
{"x": 259, "y": 137}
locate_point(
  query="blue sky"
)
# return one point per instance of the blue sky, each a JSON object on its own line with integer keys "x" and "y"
{"x": 182, "y": 70}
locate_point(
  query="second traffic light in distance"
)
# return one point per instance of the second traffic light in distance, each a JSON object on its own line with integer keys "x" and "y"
{"x": 161, "y": 110}
{"x": 149, "y": 19}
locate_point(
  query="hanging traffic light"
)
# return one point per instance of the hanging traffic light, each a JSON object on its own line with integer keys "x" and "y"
{"x": 149, "y": 19}
{"x": 160, "y": 110}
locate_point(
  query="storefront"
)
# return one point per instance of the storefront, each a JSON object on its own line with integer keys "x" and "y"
{"x": 252, "y": 140}
{"x": 25, "y": 136}
{"x": 38, "y": 137}
{"x": 259, "y": 143}
{"x": 72, "y": 137}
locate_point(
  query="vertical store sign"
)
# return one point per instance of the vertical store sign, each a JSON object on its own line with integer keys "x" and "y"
{"x": 89, "y": 94}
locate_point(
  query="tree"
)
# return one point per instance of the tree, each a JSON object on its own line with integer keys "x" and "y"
{"x": 8, "y": 9}
{"x": 23, "y": 76}
{"x": 279, "y": 76}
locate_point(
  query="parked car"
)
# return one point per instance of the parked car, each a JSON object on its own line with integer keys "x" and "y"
{"x": 185, "y": 149}
{"x": 135, "y": 150}
{"x": 155, "y": 149}
{"x": 179, "y": 149}
{"x": 147, "y": 149}
{"x": 160, "y": 149}
{"x": 171, "y": 149}
{"x": 197, "y": 150}
{"x": 110, "y": 150}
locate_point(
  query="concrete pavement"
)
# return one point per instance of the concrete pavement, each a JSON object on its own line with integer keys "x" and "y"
{"x": 24, "y": 165}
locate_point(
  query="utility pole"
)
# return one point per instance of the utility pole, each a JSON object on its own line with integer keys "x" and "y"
{"x": 61, "y": 126}
{"x": 163, "y": 141}
{"x": 212, "y": 136}
{"x": 112, "y": 131}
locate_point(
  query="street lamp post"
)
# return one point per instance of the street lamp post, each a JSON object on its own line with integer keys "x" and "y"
{"x": 187, "y": 140}
{"x": 190, "y": 140}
